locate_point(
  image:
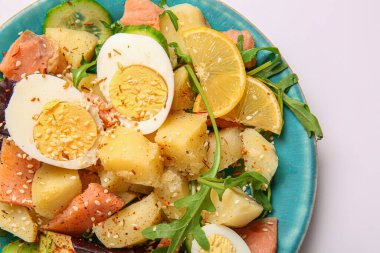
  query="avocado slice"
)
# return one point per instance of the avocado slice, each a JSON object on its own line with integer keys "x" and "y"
{"x": 52, "y": 242}
{"x": 20, "y": 247}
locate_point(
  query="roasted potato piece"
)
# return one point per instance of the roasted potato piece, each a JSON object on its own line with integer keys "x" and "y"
{"x": 53, "y": 189}
{"x": 130, "y": 155}
{"x": 74, "y": 44}
{"x": 259, "y": 154}
{"x": 124, "y": 229}
{"x": 189, "y": 16}
{"x": 184, "y": 96}
{"x": 236, "y": 209}
{"x": 173, "y": 187}
{"x": 183, "y": 139}
{"x": 231, "y": 147}
{"x": 18, "y": 221}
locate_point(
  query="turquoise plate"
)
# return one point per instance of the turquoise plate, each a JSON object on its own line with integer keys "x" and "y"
{"x": 294, "y": 185}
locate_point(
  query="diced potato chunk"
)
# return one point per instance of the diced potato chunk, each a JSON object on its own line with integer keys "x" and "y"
{"x": 236, "y": 209}
{"x": 130, "y": 155}
{"x": 127, "y": 197}
{"x": 259, "y": 154}
{"x": 189, "y": 16}
{"x": 183, "y": 139}
{"x": 113, "y": 182}
{"x": 53, "y": 189}
{"x": 184, "y": 96}
{"x": 74, "y": 44}
{"x": 124, "y": 229}
{"x": 173, "y": 187}
{"x": 231, "y": 145}
{"x": 18, "y": 221}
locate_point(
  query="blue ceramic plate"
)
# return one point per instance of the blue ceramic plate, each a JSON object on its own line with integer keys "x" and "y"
{"x": 294, "y": 184}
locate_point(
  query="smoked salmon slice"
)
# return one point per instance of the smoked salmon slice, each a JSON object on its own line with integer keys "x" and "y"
{"x": 16, "y": 175}
{"x": 94, "y": 205}
{"x": 31, "y": 53}
{"x": 142, "y": 12}
{"x": 107, "y": 112}
{"x": 248, "y": 42}
{"x": 260, "y": 236}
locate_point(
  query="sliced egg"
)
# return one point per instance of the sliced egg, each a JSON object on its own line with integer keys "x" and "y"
{"x": 51, "y": 122}
{"x": 137, "y": 79}
{"x": 221, "y": 239}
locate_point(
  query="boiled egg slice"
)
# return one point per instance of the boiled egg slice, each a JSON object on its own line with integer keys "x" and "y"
{"x": 51, "y": 122}
{"x": 221, "y": 239}
{"x": 137, "y": 79}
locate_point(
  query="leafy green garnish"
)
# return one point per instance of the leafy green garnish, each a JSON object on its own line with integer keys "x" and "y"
{"x": 259, "y": 186}
{"x": 172, "y": 17}
{"x": 116, "y": 27}
{"x": 240, "y": 43}
{"x": 81, "y": 72}
{"x": 190, "y": 223}
{"x": 1, "y": 79}
{"x": 162, "y": 3}
{"x": 181, "y": 57}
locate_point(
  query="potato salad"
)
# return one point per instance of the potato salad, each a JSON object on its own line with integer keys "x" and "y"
{"x": 150, "y": 133}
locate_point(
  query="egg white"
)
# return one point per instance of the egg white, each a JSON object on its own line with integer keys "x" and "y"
{"x": 131, "y": 49}
{"x": 213, "y": 229}
{"x": 21, "y": 109}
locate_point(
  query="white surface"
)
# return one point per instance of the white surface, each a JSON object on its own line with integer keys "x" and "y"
{"x": 333, "y": 46}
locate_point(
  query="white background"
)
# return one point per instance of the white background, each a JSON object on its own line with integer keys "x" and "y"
{"x": 333, "y": 45}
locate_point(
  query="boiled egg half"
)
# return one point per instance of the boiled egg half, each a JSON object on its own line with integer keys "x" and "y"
{"x": 137, "y": 79}
{"x": 51, "y": 121}
{"x": 221, "y": 239}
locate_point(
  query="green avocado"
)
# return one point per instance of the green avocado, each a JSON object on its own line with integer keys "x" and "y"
{"x": 20, "y": 247}
{"x": 53, "y": 242}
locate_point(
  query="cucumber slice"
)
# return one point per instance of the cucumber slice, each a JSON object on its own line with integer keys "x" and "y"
{"x": 82, "y": 15}
{"x": 148, "y": 31}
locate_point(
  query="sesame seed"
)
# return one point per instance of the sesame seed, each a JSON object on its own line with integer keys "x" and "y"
{"x": 97, "y": 202}
{"x": 29, "y": 166}
{"x": 19, "y": 173}
{"x": 19, "y": 155}
{"x": 31, "y": 171}
{"x": 106, "y": 180}
{"x": 86, "y": 204}
{"x": 73, "y": 177}
{"x": 265, "y": 230}
{"x": 108, "y": 200}
{"x": 8, "y": 192}
{"x": 99, "y": 212}
{"x": 22, "y": 191}
{"x": 25, "y": 186}
{"x": 105, "y": 191}
{"x": 13, "y": 198}
{"x": 18, "y": 64}
{"x": 29, "y": 181}
{"x": 109, "y": 213}
{"x": 75, "y": 208}
{"x": 116, "y": 236}
{"x": 92, "y": 219}
{"x": 29, "y": 158}
{"x": 269, "y": 223}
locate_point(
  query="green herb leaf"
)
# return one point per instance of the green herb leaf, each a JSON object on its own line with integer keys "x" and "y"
{"x": 161, "y": 250}
{"x": 1, "y": 79}
{"x": 181, "y": 57}
{"x": 81, "y": 72}
{"x": 250, "y": 54}
{"x": 162, "y": 3}
{"x": 269, "y": 70}
{"x": 302, "y": 112}
{"x": 116, "y": 27}
{"x": 172, "y": 17}
{"x": 189, "y": 224}
{"x": 240, "y": 43}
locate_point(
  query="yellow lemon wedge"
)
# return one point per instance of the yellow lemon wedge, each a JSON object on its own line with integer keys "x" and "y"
{"x": 258, "y": 108}
{"x": 219, "y": 67}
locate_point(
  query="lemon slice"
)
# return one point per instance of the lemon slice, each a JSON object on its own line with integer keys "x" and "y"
{"x": 258, "y": 108}
{"x": 219, "y": 67}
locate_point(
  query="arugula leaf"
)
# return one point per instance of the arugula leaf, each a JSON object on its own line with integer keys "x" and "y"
{"x": 116, "y": 27}
{"x": 162, "y": 3}
{"x": 81, "y": 72}
{"x": 172, "y": 17}
{"x": 181, "y": 57}
{"x": 240, "y": 43}
{"x": 189, "y": 224}
{"x": 302, "y": 112}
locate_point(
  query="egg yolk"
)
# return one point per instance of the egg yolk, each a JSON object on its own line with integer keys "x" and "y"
{"x": 219, "y": 244}
{"x": 64, "y": 131}
{"x": 138, "y": 92}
